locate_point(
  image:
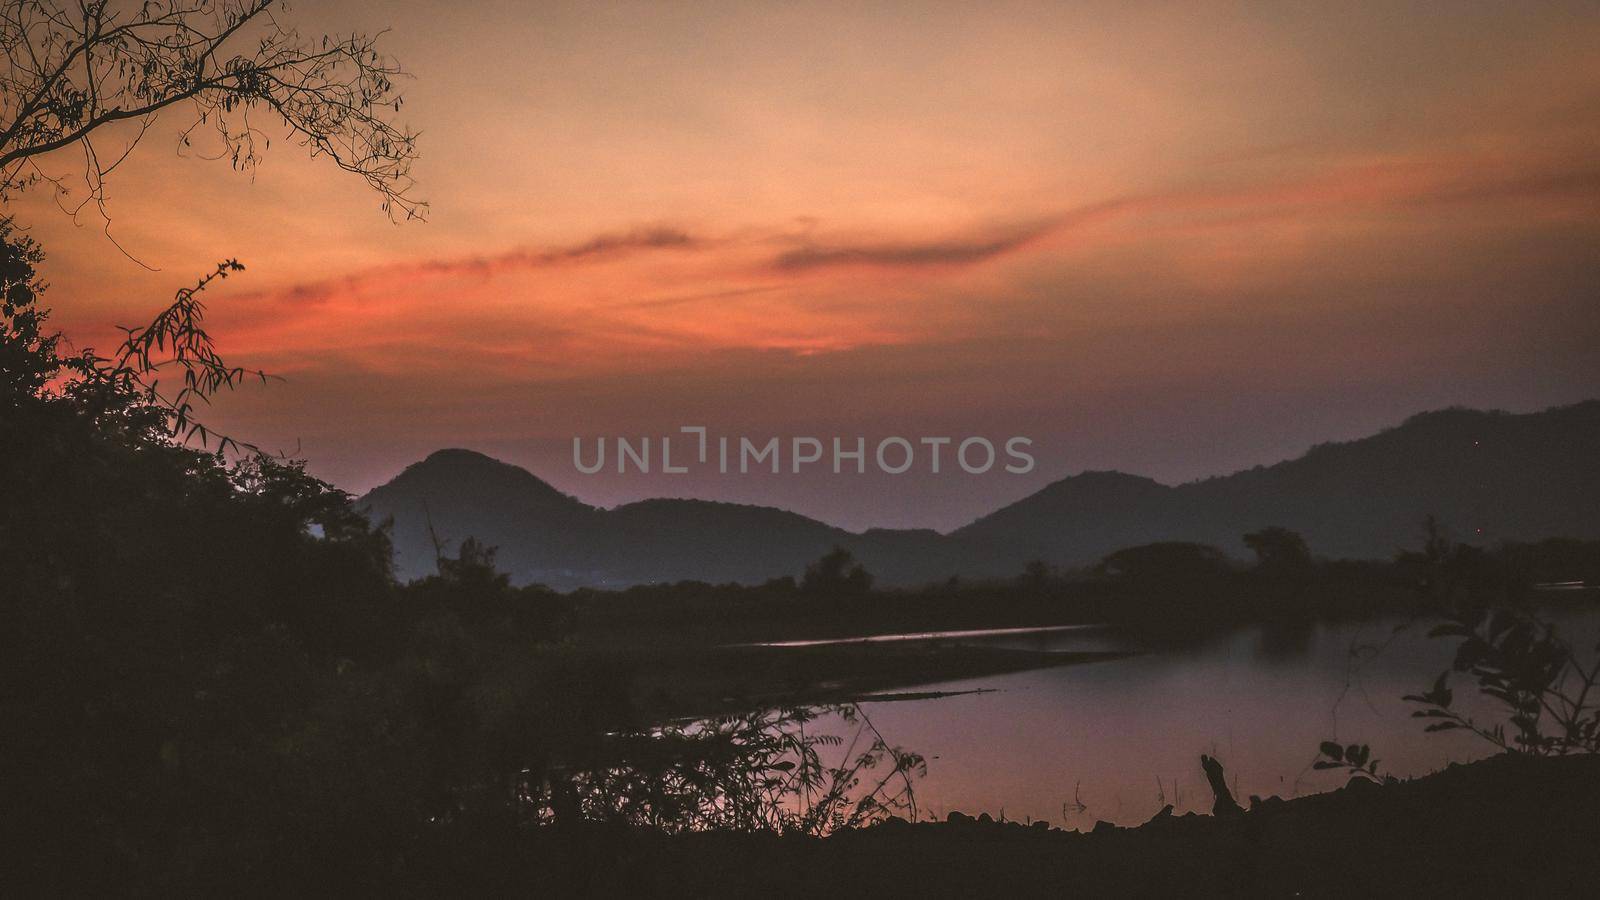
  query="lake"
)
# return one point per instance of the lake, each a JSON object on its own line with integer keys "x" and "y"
{"x": 1117, "y": 740}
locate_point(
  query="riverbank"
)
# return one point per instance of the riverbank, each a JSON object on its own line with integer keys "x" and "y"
{"x": 691, "y": 613}
{"x": 1502, "y": 827}
{"x": 674, "y": 681}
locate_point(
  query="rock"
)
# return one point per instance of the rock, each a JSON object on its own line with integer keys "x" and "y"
{"x": 959, "y": 818}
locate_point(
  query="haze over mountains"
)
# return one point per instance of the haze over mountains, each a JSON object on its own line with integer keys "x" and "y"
{"x": 1489, "y": 476}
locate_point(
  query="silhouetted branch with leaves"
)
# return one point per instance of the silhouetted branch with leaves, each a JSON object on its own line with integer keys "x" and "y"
{"x": 176, "y": 338}
{"x": 1533, "y": 674}
{"x": 73, "y": 71}
{"x": 757, "y": 771}
{"x": 1355, "y": 759}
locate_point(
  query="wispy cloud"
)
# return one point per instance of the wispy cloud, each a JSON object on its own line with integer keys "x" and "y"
{"x": 1328, "y": 189}
{"x": 627, "y": 299}
{"x": 609, "y": 245}
{"x": 909, "y": 254}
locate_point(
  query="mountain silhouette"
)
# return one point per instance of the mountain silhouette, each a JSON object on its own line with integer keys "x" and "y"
{"x": 1489, "y": 475}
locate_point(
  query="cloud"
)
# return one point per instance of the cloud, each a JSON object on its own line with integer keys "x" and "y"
{"x": 1556, "y": 184}
{"x": 601, "y": 246}
{"x": 911, "y": 254}
{"x": 1329, "y": 188}
{"x": 653, "y": 297}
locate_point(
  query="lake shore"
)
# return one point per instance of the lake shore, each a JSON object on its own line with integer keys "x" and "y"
{"x": 674, "y": 682}
{"x": 1506, "y": 826}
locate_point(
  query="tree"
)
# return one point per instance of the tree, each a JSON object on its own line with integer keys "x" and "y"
{"x": 27, "y": 353}
{"x": 84, "y": 73}
{"x": 1036, "y": 574}
{"x": 1165, "y": 561}
{"x": 1279, "y": 550}
{"x": 837, "y": 572}
{"x": 76, "y": 71}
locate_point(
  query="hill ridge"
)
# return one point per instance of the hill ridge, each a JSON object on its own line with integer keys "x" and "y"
{"x": 1491, "y": 474}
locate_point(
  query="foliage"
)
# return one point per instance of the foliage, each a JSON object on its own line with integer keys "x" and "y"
{"x": 836, "y": 572}
{"x": 1165, "y": 561}
{"x": 211, "y": 678}
{"x": 126, "y": 390}
{"x": 1036, "y": 575}
{"x": 75, "y": 71}
{"x": 1535, "y": 679}
{"x": 200, "y": 657}
{"x": 757, "y": 771}
{"x": 177, "y": 338}
{"x": 1447, "y": 573}
{"x": 1355, "y": 759}
{"x": 27, "y": 352}
{"x": 1279, "y": 550}
{"x": 1534, "y": 676}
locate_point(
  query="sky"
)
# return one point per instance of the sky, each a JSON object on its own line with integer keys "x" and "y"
{"x": 1174, "y": 239}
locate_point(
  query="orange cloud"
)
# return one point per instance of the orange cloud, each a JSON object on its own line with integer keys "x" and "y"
{"x": 651, "y": 298}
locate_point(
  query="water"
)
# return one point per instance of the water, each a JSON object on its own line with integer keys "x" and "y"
{"x": 990, "y": 636}
{"x": 1118, "y": 740}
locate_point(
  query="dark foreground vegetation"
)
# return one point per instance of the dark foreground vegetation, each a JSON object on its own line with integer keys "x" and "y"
{"x": 213, "y": 684}
{"x": 1511, "y": 826}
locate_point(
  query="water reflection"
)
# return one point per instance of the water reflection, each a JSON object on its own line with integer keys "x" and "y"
{"x": 1117, "y": 740}
{"x": 971, "y": 636}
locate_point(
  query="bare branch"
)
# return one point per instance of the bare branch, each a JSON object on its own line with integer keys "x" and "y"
{"x": 71, "y": 74}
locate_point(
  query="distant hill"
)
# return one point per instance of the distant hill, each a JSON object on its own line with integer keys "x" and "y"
{"x": 1513, "y": 476}
{"x": 545, "y": 536}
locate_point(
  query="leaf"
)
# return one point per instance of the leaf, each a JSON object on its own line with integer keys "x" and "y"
{"x": 1439, "y": 683}
{"x": 1332, "y": 750}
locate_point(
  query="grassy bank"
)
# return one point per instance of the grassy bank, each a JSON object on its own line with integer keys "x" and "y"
{"x": 1507, "y": 826}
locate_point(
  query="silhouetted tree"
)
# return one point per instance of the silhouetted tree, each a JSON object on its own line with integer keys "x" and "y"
{"x": 838, "y": 573}
{"x": 198, "y": 658}
{"x": 27, "y": 353}
{"x": 1279, "y": 550}
{"x": 1437, "y": 545}
{"x": 1169, "y": 560}
{"x": 1448, "y": 574}
{"x": 474, "y": 563}
{"x": 1036, "y": 574}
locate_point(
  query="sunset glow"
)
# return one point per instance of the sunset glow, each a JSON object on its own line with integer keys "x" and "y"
{"x": 1075, "y": 222}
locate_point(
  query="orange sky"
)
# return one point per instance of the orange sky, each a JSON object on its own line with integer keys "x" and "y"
{"x": 1175, "y": 239}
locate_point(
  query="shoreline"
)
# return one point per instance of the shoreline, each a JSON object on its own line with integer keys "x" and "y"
{"x": 1504, "y": 826}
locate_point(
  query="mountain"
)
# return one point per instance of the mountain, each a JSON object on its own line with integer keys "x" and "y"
{"x": 541, "y": 534}
{"x": 548, "y": 537}
{"x": 1489, "y": 475}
